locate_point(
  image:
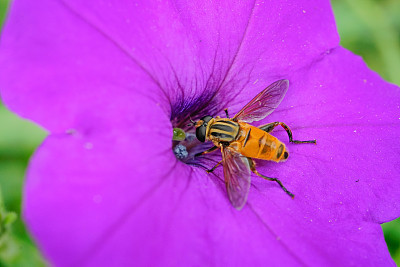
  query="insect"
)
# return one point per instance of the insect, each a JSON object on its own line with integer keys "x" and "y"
{"x": 241, "y": 142}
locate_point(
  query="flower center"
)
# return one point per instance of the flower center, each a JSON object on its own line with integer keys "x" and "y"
{"x": 185, "y": 146}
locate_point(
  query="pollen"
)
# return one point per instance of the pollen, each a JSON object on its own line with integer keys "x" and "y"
{"x": 180, "y": 151}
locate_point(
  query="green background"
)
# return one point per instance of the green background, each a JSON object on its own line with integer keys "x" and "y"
{"x": 369, "y": 28}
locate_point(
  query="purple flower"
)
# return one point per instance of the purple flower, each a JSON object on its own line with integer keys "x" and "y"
{"x": 109, "y": 81}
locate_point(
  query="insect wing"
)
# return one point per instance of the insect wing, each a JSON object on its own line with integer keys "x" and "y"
{"x": 264, "y": 103}
{"x": 237, "y": 177}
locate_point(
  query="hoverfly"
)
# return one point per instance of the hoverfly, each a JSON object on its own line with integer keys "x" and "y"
{"x": 241, "y": 142}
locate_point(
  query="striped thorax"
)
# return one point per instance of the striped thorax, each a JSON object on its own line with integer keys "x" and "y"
{"x": 217, "y": 130}
{"x": 223, "y": 130}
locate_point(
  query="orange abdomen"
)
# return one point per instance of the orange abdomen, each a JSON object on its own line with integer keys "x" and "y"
{"x": 255, "y": 143}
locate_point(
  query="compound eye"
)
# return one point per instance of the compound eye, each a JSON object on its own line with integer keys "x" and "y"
{"x": 201, "y": 133}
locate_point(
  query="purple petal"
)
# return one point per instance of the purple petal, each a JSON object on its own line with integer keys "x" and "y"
{"x": 82, "y": 185}
{"x": 170, "y": 219}
{"x": 110, "y": 191}
{"x": 173, "y": 51}
{"x": 347, "y": 183}
{"x": 54, "y": 71}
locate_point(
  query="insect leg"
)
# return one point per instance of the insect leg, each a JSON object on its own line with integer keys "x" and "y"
{"x": 207, "y": 151}
{"x": 226, "y": 112}
{"x": 253, "y": 169}
{"x": 213, "y": 168}
{"x": 270, "y": 126}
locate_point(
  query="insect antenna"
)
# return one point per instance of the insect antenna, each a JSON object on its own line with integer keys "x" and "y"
{"x": 192, "y": 122}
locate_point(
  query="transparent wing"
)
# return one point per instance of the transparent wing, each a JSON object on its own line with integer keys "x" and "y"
{"x": 237, "y": 176}
{"x": 264, "y": 103}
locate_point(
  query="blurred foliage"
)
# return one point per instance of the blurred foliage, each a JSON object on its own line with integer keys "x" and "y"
{"x": 3, "y": 10}
{"x": 18, "y": 139}
{"x": 369, "y": 28}
{"x": 7, "y": 244}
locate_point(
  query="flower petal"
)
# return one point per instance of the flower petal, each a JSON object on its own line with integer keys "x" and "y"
{"x": 166, "y": 216}
{"x": 111, "y": 192}
{"x": 59, "y": 57}
{"x": 80, "y": 184}
{"x": 349, "y": 182}
{"x": 56, "y": 67}
{"x": 120, "y": 197}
